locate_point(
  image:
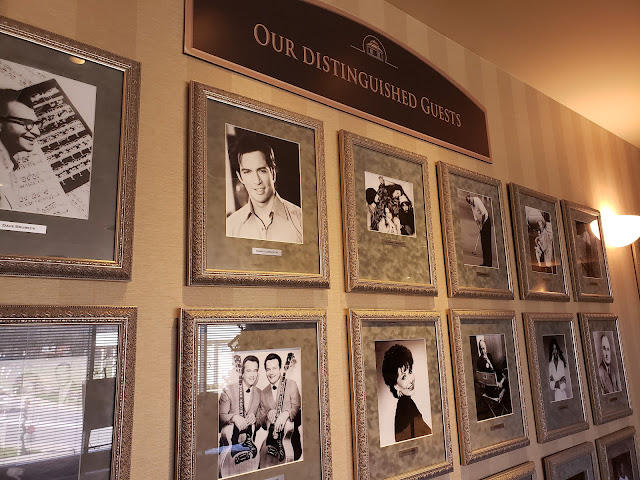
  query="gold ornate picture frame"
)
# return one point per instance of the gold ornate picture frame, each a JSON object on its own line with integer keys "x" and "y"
{"x": 387, "y": 218}
{"x": 475, "y": 235}
{"x": 618, "y": 454}
{"x": 587, "y": 254}
{"x": 73, "y": 176}
{"x": 539, "y": 254}
{"x": 229, "y": 362}
{"x": 406, "y": 434}
{"x": 525, "y": 471}
{"x": 577, "y": 463}
{"x": 492, "y": 417}
{"x": 257, "y": 195}
{"x": 606, "y": 370}
{"x": 635, "y": 249}
{"x": 67, "y": 374}
{"x": 554, "y": 369}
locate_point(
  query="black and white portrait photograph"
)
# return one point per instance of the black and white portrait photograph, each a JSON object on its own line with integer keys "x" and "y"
{"x": 587, "y": 246}
{"x": 540, "y": 233}
{"x": 46, "y": 142}
{"x": 477, "y": 229}
{"x": 259, "y": 411}
{"x": 389, "y": 205}
{"x": 606, "y": 359}
{"x": 555, "y": 349}
{"x": 622, "y": 467}
{"x": 490, "y": 375}
{"x": 263, "y": 187}
{"x": 579, "y": 476}
{"x": 404, "y": 405}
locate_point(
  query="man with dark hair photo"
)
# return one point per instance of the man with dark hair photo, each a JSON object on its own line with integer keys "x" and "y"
{"x": 587, "y": 251}
{"x": 397, "y": 372}
{"x": 266, "y": 215}
{"x": 607, "y": 368}
{"x": 491, "y": 380}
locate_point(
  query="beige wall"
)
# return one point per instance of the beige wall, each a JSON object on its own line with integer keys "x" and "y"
{"x": 535, "y": 142}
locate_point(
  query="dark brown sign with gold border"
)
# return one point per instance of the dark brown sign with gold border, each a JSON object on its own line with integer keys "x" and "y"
{"x": 328, "y": 57}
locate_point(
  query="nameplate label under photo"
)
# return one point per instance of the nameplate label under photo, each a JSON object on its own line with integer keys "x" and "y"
{"x": 496, "y": 427}
{"x": 483, "y": 274}
{"x": 279, "y": 477}
{"x": 408, "y": 451}
{"x": 271, "y": 252}
{"x": 613, "y": 399}
{"x": 395, "y": 243}
{"x": 594, "y": 283}
{"x": 563, "y": 407}
{"x": 23, "y": 227}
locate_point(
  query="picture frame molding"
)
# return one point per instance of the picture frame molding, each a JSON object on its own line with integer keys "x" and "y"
{"x": 121, "y": 267}
{"x": 519, "y": 236}
{"x": 190, "y": 319}
{"x": 198, "y": 273}
{"x": 352, "y": 267}
{"x": 543, "y": 432}
{"x": 519, "y": 472}
{"x": 467, "y": 454}
{"x": 602, "y": 443}
{"x": 553, "y": 462}
{"x": 359, "y": 395}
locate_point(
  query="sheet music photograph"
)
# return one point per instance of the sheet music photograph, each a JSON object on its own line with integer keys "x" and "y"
{"x": 46, "y": 141}
{"x": 68, "y": 148}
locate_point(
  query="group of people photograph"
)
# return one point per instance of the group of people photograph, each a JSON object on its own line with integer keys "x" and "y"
{"x": 260, "y": 416}
{"x": 389, "y": 205}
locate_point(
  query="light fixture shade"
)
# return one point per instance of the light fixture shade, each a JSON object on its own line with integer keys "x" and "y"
{"x": 619, "y": 230}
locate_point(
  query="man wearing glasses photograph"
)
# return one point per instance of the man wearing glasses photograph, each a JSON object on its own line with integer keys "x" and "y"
{"x": 27, "y": 182}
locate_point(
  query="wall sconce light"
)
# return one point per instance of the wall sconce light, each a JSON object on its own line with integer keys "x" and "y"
{"x": 619, "y": 230}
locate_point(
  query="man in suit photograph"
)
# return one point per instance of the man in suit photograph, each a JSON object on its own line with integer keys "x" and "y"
{"x": 609, "y": 379}
{"x": 229, "y": 403}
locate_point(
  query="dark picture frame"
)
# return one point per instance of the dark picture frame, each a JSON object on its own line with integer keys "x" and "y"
{"x": 575, "y": 463}
{"x": 379, "y": 340}
{"x": 536, "y": 233}
{"x": 559, "y": 411}
{"x": 475, "y": 236}
{"x": 587, "y": 254}
{"x": 94, "y": 349}
{"x": 376, "y": 259}
{"x": 84, "y": 158}
{"x": 293, "y": 250}
{"x": 618, "y": 455}
{"x": 608, "y": 386}
{"x": 481, "y": 377}
{"x": 208, "y": 397}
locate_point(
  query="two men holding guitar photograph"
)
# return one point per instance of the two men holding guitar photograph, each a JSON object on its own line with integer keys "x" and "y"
{"x": 259, "y": 428}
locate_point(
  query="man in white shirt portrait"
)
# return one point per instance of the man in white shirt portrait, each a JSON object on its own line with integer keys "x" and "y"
{"x": 483, "y": 221}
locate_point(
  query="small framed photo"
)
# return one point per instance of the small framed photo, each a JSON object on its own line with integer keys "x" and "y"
{"x": 555, "y": 374}
{"x": 387, "y": 215}
{"x": 587, "y": 255}
{"x": 492, "y": 415}
{"x": 605, "y": 367}
{"x": 253, "y": 395}
{"x": 400, "y": 412}
{"x": 476, "y": 252}
{"x": 526, "y": 471}
{"x": 576, "y": 463}
{"x": 68, "y": 146}
{"x": 536, "y": 232}
{"x": 66, "y": 391}
{"x": 618, "y": 455}
{"x": 257, "y": 197}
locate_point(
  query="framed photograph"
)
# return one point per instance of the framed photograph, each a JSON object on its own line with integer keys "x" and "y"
{"x": 606, "y": 372}
{"x": 587, "y": 255}
{"x": 387, "y": 218}
{"x": 66, "y": 391}
{"x": 576, "y": 463}
{"x": 635, "y": 249}
{"x": 476, "y": 253}
{"x": 526, "y": 471}
{"x": 554, "y": 369}
{"x": 536, "y": 232}
{"x": 253, "y": 395}
{"x": 68, "y": 146}
{"x": 258, "y": 197}
{"x": 400, "y": 413}
{"x": 618, "y": 455}
{"x": 492, "y": 416}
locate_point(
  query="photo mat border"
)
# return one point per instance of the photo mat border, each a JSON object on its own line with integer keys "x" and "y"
{"x": 544, "y": 433}
{"x": 352, "y": 267}
{"x": 126, "y": 319}
{"x": 190, "y": 319}
{"x": 120, "y": 268}
{"x": 359, "y": 395}
{"x": 198, "y": 273}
